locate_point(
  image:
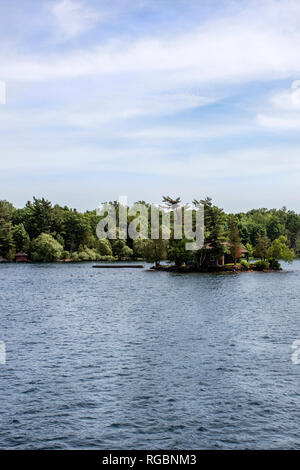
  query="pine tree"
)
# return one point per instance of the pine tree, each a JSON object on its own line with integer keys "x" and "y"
{"x": 234, "y": 240}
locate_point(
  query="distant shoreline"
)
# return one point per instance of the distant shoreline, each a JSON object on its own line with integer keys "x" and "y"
{"x": 212, "y": 269}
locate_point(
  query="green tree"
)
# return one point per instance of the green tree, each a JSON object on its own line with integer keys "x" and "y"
{"x": 21, "y": 238}
{"x": 279, "y": 250}
{"x": 139, "y": 247}
{"x": 274, "y": 228}
{"x": 250, "y": 249}
{"x": 262, "y": 246}
{"x": 75, "y": 228}
{"x": 293, "y": 228}
{"x": 46, "y": 248}
{"x": 104, "y": 247}
{"x": 177, "y": 252}
{"x": 214, "y": 228}
{"x": 155, "y": 251}
{"x": 7, "y": 247}
{"x": 234, "y": 240}
{"x": 120, "y": 249}
{"x": 39, "y": 217}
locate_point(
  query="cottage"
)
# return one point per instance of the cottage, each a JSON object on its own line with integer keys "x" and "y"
{"x": 226, "y": 258}
{"x": 21, "y": 257}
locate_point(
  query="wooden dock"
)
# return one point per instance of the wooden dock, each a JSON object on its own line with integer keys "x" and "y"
{"x": 117, "y": 266}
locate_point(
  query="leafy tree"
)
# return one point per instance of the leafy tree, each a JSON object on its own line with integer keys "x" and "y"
{"x": 293, "y": 228}
{"x": 7, "y": 248}
{"x": 120, "y": 249}
{"x": 126, "y": 252}
{"x": 85, "y": 254}
{"x": 274, "y": 228}
{"x": 262, "y": 246}
{"x": 75, "y": 227}
{"x": 104, "y": 247}
{"x": 6, "y": 239}
{"x": 250, "y": 249}
{"x": 279, "y": 250}
{"x": 178, "y": 253}
{"x": 139, "y": 247}
{"x": 46, "y": 248}
{"x": 21, "y": 238}
{"x": 155, "y": 251}
{"x": 60, "y": 239}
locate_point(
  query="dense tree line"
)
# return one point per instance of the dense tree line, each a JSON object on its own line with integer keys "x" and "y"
{"x": 49, "y": 232}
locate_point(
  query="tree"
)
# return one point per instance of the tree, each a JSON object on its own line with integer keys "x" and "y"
{"x": 214, "y": 224}
{"x": 234, "y": 240}
{"x": 139, "y": 247}
{"x": 21, "y": 238}
{"x": 6, "y": 230}
{"x": 103, "y": 247}
{"x": 279, "y": 250}
{"x": 6, "y": 239}
{"x": 177, "y": 252}
{"x": 250, "y": 249}
{"x": 46, "y": 248}
{"x": 170, "y": 202}
{"x": 262, "y": 246}
{"x": 176, "y": 248}
{"x": 75, "y": 227}
{"x": 39, "y": 217}
{"x": 274, "y": 228}
{"x": 120, "y": 249}
{"x": 155, "y": 251}
{"x": 293, "y": 228}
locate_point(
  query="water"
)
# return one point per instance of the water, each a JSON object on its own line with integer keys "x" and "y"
{"x": 123, "y": 359}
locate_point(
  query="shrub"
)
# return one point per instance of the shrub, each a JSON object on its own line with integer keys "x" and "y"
{"x": 274, "y": 263}
{"x": 46, "y": 248}
{"x": 65, "y": 254}
{"x": 107, "y": 258}
{"x": 245, "y": 265}
{"x": 104, "y": 247}
{"x": 261, "y": 265}
{"x": 280, "y": 250}
{"x": 85, "y": 254}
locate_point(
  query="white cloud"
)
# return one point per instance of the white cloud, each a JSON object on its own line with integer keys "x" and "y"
{"x": 247, "y": 46}
{"x": 283, "y": 110}
{"x": 114, "y": 105}
{"x": 279, "y": 122}
{"x": 74, "y": 18}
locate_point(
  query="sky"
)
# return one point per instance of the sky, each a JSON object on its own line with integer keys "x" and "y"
{"x": 144, "y": 98}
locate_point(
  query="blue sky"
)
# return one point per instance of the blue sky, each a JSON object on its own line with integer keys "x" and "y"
{"x": 150, "y": 97}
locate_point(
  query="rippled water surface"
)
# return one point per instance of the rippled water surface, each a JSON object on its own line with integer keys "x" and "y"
{"x": 122, "y": 359}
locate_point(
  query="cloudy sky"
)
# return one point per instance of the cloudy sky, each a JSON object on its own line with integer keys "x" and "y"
{"x": 149, "y": 97}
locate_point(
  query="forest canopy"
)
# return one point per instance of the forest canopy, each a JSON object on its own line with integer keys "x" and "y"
{"x": 48, "y": 232}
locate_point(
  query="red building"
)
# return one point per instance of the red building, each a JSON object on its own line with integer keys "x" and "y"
{"x": 21, "y": 257}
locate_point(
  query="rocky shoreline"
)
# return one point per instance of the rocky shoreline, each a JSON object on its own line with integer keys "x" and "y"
{"x": 212, "y": 269}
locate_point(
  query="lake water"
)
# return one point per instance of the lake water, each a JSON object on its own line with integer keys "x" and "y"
{"x": 124, "y": 359}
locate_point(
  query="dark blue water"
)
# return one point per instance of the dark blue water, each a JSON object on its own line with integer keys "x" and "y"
{"x": 122, "y": 359}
